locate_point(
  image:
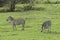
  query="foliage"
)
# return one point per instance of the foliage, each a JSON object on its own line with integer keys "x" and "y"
{"x": 3, "y": 3}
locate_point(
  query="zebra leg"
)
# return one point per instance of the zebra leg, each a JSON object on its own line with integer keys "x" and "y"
{"x": 14, "y": 27}
{"x": 23, "y": 27}
{"x": 49, "y": 29}
{"x": 42, "y": 28}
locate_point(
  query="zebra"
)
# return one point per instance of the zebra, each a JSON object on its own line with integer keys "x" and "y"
{"x": 15, "y": 22}
{"x": 46, "y": 25}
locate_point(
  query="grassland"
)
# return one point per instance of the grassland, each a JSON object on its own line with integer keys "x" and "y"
{"x": 34, "y": 20}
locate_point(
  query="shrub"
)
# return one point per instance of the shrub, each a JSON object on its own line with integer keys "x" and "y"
{"x": 38, "y": 8}
{"x": 28, "y": 7}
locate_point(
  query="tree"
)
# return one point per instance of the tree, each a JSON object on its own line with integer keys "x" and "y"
{"x": 3, "y": 2}
{"x": 12, "y": 5}
{"x": 14, "y": 2}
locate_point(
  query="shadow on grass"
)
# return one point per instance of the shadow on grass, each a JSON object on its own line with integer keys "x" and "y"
{"x": 28, "y": 27}
{"x": 52, "y": 32}
{"x": 14, "y": 34}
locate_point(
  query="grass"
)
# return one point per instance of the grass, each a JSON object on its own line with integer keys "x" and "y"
{"x": 34, "y": 20}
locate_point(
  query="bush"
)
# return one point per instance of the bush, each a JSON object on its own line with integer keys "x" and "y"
{"x": 38, "y": 8}
{"x": 28, "y": 7}
{"x": 3, "y": 9}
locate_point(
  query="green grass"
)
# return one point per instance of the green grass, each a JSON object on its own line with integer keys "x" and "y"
{"x": 34, "y": 20}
